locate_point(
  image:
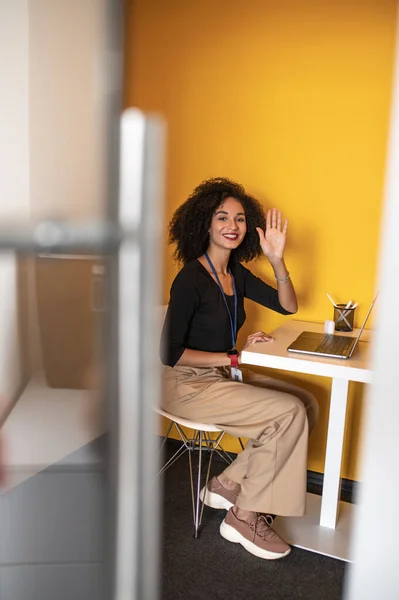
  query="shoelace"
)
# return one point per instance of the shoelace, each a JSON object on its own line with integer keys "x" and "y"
{"x": 268, "y": 518}
{"x": 262, "y": 527}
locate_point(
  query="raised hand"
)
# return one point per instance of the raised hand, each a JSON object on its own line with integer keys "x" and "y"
{"x": 272, "y": 240}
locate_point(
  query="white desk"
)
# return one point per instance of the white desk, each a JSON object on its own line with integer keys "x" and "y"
{"x": 319, "y": 530}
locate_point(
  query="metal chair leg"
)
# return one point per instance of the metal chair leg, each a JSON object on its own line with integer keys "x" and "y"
{"x": 197, "y": 499}
{"x": 173, "y": 459}
{"x": 224, "y": 455}
{"x": 190, "y": 446}
{"x": 190, "y": 465}
{"x": 211, "y": 452}
{"x": 166, "y": 436}
{"x": 183, "y": 448}
{"x": 198, "y": 505}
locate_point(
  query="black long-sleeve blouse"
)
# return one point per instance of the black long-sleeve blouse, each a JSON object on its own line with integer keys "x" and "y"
{"x": 197, "y": 317}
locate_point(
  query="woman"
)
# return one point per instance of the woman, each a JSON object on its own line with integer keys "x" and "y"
{"x": 219, "y": 226}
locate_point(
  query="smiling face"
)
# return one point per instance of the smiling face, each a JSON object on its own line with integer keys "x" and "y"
{"x": 228, "y": 225}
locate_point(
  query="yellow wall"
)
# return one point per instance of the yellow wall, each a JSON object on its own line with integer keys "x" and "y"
{"x": 291, "y": 98}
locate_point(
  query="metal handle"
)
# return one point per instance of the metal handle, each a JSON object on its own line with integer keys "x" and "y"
{"x": 52, "y": 256}
{"x": 62, "y": 237}
{"x": 137, "y": 530}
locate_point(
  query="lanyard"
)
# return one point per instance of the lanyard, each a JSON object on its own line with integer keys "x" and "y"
{"x": 233, "y": 323}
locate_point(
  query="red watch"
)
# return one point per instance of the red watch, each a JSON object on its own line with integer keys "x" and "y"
{"x": 233, "y": 355}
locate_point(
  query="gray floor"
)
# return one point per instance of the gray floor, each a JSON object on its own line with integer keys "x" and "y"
{"x": 212, "y": 567}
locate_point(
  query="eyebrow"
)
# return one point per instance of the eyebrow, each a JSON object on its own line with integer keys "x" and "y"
{"x": 224, "y": 212}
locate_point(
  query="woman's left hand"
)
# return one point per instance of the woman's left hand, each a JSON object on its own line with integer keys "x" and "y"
{"x": 272, "y": 240}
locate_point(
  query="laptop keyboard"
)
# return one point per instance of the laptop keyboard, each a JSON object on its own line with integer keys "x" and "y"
{"x": 332, "y": 344}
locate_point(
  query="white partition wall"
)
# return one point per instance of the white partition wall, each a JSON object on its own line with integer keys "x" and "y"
{"x": 375, "y": 572}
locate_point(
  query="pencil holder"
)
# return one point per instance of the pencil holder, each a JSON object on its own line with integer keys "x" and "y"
{"x": 343, "y": 318}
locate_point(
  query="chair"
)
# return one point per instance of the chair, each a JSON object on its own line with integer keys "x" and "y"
{"x": 200, "y": 440}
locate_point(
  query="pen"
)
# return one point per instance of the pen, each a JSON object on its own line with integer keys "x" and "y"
{"x": 331, "y": 300}
{"x": 344, "y": 313}
{"x": 342, "y": 316}
{"x": 352, "y": 307}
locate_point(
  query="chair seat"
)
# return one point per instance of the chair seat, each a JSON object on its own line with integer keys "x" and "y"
{"x": 187, "y": 423}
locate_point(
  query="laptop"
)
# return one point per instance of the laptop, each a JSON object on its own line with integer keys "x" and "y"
{"x": 331, "y": 345}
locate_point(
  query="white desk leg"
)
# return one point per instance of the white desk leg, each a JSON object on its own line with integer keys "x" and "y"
{"x": 335, "y": 440}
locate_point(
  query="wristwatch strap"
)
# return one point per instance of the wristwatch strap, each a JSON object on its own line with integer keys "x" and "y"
{"x": 233, "y": 360}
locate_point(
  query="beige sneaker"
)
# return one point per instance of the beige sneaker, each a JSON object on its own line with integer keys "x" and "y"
{"x": 217, "y": 496}
{"x": 254, "y": 535}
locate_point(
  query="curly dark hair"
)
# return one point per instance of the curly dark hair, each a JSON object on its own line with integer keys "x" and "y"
{"x": 189, "y": 226}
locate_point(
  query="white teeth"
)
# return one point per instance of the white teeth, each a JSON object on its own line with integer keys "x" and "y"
{"x": 231, "y": 236}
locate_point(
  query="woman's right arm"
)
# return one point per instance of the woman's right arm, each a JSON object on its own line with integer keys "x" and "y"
{"x": 197, "y": 358}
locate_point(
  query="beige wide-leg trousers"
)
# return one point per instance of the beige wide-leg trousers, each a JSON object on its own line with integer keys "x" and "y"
{"x": 275, "y": 416}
